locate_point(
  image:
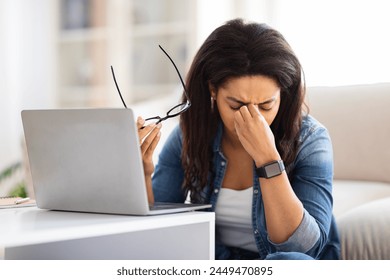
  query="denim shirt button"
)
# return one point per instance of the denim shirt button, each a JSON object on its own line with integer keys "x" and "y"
{"x": 216, "y": 190}
{"x": 223, "y": 163}
{"x": 256, "y": 232}
{"x": 255, "y": 191}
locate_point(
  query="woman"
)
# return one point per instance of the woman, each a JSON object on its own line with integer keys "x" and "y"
{"x": 247, "y": 147}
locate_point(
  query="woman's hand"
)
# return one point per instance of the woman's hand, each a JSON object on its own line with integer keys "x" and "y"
{"x": 149, "y": 137}
{"x": 255, "y": 135}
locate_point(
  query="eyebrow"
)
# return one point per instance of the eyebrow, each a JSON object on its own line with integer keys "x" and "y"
{"x": 246, "y": 103}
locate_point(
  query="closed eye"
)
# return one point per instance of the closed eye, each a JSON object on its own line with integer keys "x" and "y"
{"x": 267, "y": 106}
{"x": 266, "y": 109}
{"x": 235, "y": 108}
{"x": 236, "y": 105}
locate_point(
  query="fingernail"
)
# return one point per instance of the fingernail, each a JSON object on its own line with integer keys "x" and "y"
{"x": 159, "y": 125}
{"x": 140, "y": 120}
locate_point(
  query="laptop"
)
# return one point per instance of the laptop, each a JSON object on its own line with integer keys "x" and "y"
{"x": 89, "y": 160}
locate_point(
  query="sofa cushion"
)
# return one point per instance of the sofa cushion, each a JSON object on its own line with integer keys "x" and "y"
{"x": 365, "y": 230}
{"x": 350, "y": 194}
{"x": 357, "y": 118}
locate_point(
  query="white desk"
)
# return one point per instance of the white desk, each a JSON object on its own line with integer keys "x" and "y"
{"x": 32, "y": 233}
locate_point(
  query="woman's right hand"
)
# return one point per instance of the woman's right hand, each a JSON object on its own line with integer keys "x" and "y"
{"x": 149, "y": 137}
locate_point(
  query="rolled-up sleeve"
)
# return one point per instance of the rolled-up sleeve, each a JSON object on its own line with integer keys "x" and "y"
{"x": 307, "y": 231}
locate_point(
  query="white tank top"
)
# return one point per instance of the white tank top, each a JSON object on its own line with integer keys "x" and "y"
{"x": 234, "y": 218}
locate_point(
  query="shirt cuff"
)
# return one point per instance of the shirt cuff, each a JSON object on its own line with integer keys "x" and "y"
{"x": 303, "y": 238}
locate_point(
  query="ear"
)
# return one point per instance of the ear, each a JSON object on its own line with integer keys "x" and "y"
{"x": 213, "y": 91}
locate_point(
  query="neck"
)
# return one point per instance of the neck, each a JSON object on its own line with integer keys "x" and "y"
{"x": 233, "y": 149}
{"x": 231, "y": 140}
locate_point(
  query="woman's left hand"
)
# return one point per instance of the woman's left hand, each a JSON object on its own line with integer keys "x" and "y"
{"x": 255, "y": 135}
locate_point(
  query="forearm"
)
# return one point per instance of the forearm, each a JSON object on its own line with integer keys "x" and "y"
{"x": 283, "y": 209}
{"x": 149, "y": 189}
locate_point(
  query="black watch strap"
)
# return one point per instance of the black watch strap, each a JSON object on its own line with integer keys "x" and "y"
{"x": 271, "y": 169}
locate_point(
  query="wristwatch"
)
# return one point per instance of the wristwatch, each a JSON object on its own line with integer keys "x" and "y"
{"x": 271, "y": 169}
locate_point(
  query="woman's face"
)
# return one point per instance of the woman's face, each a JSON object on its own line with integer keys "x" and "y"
{"x": 261, "y": 91}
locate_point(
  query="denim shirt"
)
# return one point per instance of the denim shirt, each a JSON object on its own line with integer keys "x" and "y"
{"x": 311, "y": 176}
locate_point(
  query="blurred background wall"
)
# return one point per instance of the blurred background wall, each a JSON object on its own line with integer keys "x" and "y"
{"x": 57, "y": 53}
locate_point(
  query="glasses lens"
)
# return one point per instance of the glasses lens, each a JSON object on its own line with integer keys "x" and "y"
{"x": 178, "y": 109}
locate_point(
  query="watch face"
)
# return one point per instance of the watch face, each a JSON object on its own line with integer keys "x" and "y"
{"x": 272, "y": 169}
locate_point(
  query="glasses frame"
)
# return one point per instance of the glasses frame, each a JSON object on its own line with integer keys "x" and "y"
{"x": 185, "y": 105}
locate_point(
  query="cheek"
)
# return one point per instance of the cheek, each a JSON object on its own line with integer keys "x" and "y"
{"x": 227, "y": 116}
{"x": 271, "y": 115}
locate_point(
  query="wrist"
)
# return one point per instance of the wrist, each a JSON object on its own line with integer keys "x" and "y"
{"x": 261, "y": 161}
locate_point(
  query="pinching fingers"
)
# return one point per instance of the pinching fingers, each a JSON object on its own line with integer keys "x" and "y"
{"x": 254, "y": 111}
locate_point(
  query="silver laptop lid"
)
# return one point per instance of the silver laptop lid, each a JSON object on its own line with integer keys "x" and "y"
{"x": 86, "y": 160}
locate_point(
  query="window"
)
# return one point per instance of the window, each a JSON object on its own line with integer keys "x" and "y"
{"x": 337, "y": 42}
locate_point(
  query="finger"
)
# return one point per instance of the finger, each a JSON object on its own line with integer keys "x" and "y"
{"x": 246, "y": 115}
{"x": 149, "y": 139}
{"x": 140, "y": 122}
{"x": 142, "y": 133}
{"x": 253, "y": 110}
{"x": 150, "y": 150}
{"x": 238, "y": 119}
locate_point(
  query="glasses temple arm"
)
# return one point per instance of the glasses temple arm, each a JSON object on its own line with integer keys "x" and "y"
{"x": 177, "y": 70}
{"x": 117, "y": 87}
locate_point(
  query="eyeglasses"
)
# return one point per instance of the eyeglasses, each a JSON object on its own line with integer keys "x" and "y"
{"x": 174, "y": 111}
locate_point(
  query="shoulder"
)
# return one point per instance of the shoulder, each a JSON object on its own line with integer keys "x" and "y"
{"x": 172, "y": 145}
{"x": 314, "y": 158}
{"x": 176, "y": 135}
{"x": 314, "y": 140}
{"x": 311, "y": 128}
{"x": 173, "y": 139}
